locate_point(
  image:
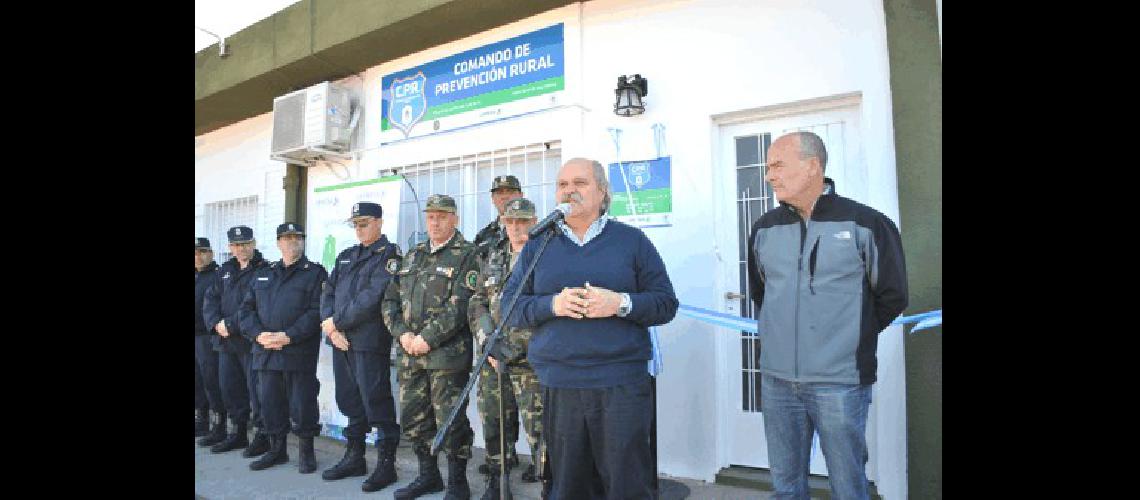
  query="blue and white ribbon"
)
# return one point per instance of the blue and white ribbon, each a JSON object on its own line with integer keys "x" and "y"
{"x": 718, "y": 318}
{"x": 923, "y": 320}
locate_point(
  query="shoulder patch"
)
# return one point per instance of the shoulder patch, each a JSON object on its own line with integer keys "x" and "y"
{"x": 392, "y": 265}
{"x": 471, "y": 279}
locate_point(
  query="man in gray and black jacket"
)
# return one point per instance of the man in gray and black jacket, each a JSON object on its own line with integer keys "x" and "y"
{"x": 827, "y": 274}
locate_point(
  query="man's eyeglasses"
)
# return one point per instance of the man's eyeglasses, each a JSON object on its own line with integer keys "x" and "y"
{"x": 360, "y": 223}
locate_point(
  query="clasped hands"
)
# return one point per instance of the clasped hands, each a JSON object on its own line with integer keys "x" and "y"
{"x": 586, "y": 302}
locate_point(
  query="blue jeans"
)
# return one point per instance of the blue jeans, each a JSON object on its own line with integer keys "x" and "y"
{"x": 793, "y": 412}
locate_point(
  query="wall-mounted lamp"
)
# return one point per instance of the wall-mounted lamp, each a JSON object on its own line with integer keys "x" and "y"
{"x": 221, "y": 42}
{"x": 629, "y": 92}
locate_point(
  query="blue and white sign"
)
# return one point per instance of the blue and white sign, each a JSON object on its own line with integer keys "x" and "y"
{"x": 507, "y": 78}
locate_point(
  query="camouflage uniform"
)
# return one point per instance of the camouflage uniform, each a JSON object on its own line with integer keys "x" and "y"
{"x": 431, "y": 300}
{"x": 484, "y": 312}
{"x": 491, "y": 237}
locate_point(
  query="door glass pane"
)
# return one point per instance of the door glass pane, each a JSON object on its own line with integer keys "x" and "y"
{"x": 753, "y": 198}
{"x": 747, "y": 151}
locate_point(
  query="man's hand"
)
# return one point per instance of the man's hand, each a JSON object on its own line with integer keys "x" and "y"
{"x": 494, "y": 364}
{"x": 281, "y": 340}
{"x": 327, "y": 326}
{"x": 571, "y": 303}
{"x": 221, "y": 329}
{"x": 267, "y": 339}
{"x": 419, "y": 346}
{"x": 603, "y": 303}
{"x": 406, "y": 341}
{"x": 339, "y": 340}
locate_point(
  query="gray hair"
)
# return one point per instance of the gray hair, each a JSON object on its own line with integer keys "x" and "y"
{"x": 811, "y": 146}
{"x": 600, "y": 178}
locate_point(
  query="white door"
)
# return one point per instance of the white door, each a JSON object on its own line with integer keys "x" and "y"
{"x": 743, "y": 198}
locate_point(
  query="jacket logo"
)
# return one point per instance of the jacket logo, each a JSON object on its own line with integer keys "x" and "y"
{"x": 392, "y": 266}
{"x": 471, "y": 278}
{"x": 843, "y": 235}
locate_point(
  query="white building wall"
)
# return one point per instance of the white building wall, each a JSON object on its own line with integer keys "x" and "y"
{"x": 702, "y": 59}
{"x": 233, "y": 162}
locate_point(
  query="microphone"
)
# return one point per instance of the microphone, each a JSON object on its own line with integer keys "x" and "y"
{"x": 560, "y": 212}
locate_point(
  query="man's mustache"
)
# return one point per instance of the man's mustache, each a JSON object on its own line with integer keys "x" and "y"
{"x": 567, "y": 198}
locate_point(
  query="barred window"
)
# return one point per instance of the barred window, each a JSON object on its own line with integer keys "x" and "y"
{"x": 468, "y": 179}
{"x": 222, "y": 215}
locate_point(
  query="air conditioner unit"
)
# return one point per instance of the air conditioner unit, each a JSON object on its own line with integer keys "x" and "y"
{"x": 312, "y": 124}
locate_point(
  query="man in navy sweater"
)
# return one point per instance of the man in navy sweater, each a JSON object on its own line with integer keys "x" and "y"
{"x": 597, "y": 289}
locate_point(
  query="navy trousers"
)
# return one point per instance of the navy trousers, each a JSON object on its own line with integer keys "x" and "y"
{"x": 289, "y": 395}
{"x": 239, "y": 388}
{"x": 364, "y": 393}
{"x": 206, "y": 375}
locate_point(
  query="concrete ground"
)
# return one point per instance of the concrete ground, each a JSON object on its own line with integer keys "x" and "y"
{"x": 227, "y": 476}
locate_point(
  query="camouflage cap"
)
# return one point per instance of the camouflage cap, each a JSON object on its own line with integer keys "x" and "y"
{"x": 507, "y": 182}
{"x": 440, "y": 202}
{"x": 519, "y": 208}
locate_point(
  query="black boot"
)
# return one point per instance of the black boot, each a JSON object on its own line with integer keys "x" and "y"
{"x": 457, "y": 488}
{"x": 485, "y": 468}
{"x": 351, "y": 464}
{"x": 218, "y": 432}
{"x": 429, "y": 480}
{"x": 528, "y": 474}
{"x": 306, "y": 459}
{"x": 201, "y": 422}
{"x": 275, "y": 455}
{"x": 385, "y": 472}
{"x": 259, "y": 445}
{"x": 236, "y": 439}
{"x": 494, "y": 491}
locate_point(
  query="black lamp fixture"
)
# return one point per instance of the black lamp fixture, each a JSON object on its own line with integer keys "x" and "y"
{"x": 629, "y": 92}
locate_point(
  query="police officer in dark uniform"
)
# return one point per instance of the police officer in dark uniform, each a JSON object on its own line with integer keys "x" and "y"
{"x": 362, "y": 346}
{"x": 503, "y": 189}
{"x": 208, "y": 392}
{"x": 220, "y": 311}
{"x": 281, "y": 312}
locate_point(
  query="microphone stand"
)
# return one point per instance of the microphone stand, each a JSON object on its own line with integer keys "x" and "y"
{"x": 494, "y": 338}
{"x": 504, "y": 476}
